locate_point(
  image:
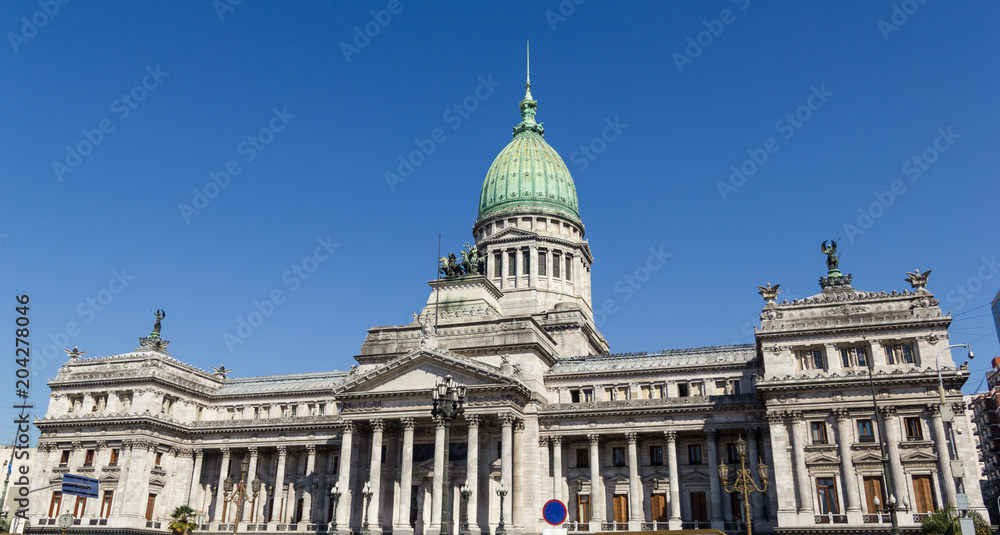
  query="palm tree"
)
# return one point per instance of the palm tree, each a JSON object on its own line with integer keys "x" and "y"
{"x": 945, "y": 522}
{"x": 184, "y": 517}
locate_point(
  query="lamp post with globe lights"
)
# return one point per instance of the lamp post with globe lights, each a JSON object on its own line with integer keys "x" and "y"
{"x": 237, "y": 493}
{"x": 367, "y": 493}
{"x": 448, "y": 398}
{"x": 744, "y": 483}
{"x": 466, "y": 491}
{"x": 501, "y": 492}
{"x": 335, "y": 493}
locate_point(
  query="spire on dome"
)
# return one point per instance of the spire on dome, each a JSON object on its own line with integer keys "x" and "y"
{"x": 528, "y": 107}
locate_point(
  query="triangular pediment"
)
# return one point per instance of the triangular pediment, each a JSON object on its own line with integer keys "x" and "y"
{"x": 510, "y": 233}
{"x": 695, "y": 476}
{"x": 823, "y": 458}
{"x": 918, "y": 457}
{"x": 867, "y": 458}
{"x": 419, "y": 371}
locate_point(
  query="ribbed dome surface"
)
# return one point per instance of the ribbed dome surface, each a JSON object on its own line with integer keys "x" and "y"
{"x": 528, "y": 176}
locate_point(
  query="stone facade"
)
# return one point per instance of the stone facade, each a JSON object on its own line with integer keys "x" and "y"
{"x": 629, "y": 442}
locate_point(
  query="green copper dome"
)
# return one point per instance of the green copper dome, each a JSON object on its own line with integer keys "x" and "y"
{"x": 528, "y": 176}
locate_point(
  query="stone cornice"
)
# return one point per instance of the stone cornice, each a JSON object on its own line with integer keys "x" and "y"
{"x": 952, "y": 376}
{"x": 629, "y": 407}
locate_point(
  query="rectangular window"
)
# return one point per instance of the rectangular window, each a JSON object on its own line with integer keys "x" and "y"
{"x": 619, "y": 504}
{"x": 582, "y": 458}
{"x": 574, "y": 396}
{"x": 525, "y": 262}
{"x": 497, "y": 267}
{"x": 732, "y": 454}
{"x": 618, "y": 456}
{"x": 656, "y": 455}
{"x": 588, "y": 394}
{"x": 826, "y": 492}
{"x": 556, "y": 263}
{"x": 79, "y": 507}
{"x": 150, "y": 506}
{"x": 694, "y": 454}
{"x": 610, "y": 393}
{"x": 660, "y": 391}
{"x": 720, "y": 387}
{"x": 853, "y": 356}
{"x": 818, "y": 432}
{"x": 511, "y": 263}
{"x": 923, "y": 495}
{"x": 55, "y": 504}
{"x": 845, "y": 358}
{"x": 64, "y": 457}
{"x": 913, "y": 429}
{"x": 866, "y": 431}
{"x": 817, "y": 359}
{"x": 159, "y": 459}
{"x": 106, "y": 503}
{"x": 88, "y": 459}
{"x": 682, "y": 390}
{"x": 583, "y": 508}
{"x": 542, "y": 265}
{"x": 737, "y": 389}
{"x": 874, "y": 490}
{"x": 899, "y": 354}
{"x": 569, "y": 268}
{"x": 113, "y": 461}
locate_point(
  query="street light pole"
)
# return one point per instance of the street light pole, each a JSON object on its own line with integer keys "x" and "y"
{"x": 890, "y": 481}
{"x": 335, "y": 493}
{"x": 448, "y": 398}
{"x": 937, "y": 364}
{"x": 237, "y": 494}
{"x": 744, "y": 483}
{"x": 367, "y": 493}
{"x": 501, "y": 492}
{"x": 464, "y": 509}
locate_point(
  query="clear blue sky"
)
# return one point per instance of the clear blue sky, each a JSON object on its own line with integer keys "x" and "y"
{"x": 692, "y": 112}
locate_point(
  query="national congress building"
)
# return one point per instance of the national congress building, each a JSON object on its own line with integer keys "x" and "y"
{"x": 629, "y": 442}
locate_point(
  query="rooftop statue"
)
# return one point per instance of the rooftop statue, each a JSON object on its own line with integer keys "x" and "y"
{"x": 160, "y": 314}
{"x": 770, "y": 293}
{"x": 832, "y": 258}
{"x": 472, "y": 263}
{"x": 917, "y": 279}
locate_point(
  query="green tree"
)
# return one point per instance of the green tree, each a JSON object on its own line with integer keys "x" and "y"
{"x": 184, "y": 517}
{"x": 945, "y": 522}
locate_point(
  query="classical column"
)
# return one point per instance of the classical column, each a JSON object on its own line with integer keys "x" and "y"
{"x": 437, "y": 493}
{"x": 753, "y": 454}
{"x": 344, "y": 474}
{"x": 714, "y": 486}
{"x": 199, "y": 456}
{"x": 506, "y": 466}
{"x": 634, "y": 485}
{"x": 778, "y": 442}
{"x": 890, "y": 421}
{"x": 675, "y": 480}
{"x": 290, "y": 501}
{"x": 251, "y": 474}
{"x": 472, "y": 469}
{"x": 405, "y": 479}
{"x": 277, "y": 503}
{"x": 517, "y": 491}
{"x": 220, "y": 498}
{"x": 124, "y": 461}
{"x": 849, "y": 480}
{"x": 944, "y": 457}
{"x": 557, "y": 477}
{"x": 596, "y": 488}
{"x": 533, "y": 272}
{"x": 375, "y": 475}
{"x": 799, "y": 444}
{"x": 307, "y": 490}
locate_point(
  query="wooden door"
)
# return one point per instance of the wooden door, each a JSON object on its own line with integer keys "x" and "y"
{"x": 583, "y": 508}
{"x": 699, "y": 507}
{"x": 621, "y": 507}
{"x": 659, "y": 507}
{"x": 80, "y": 507}
{"x": 923, "y": 494}
{"x": 150, "y": 504}
{"x": 874, "y": 489}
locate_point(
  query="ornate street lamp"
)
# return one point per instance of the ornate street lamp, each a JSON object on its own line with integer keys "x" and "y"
{"x": 744, "y": 483}
{"x": 464, "y": 508}
{"x": 449, "y": 399}
{"x": 937, "y": 364}
{"x": 501, "y": 492}
{"x": 236, "y": 494}
{"x": 367, "y": 493}
{"x": 335, "y": 494}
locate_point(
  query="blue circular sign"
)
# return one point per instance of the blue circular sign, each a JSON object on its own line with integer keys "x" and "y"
{"x": 554, "y": 512}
